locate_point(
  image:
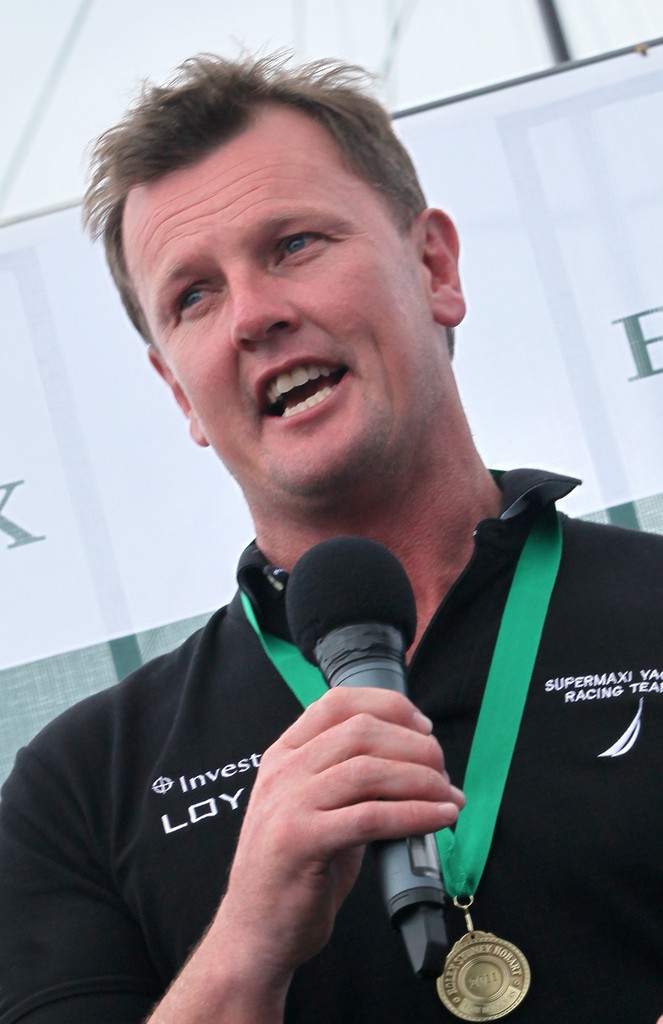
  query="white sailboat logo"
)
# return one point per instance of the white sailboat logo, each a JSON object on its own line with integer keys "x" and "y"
{"x": 627, "y": 739}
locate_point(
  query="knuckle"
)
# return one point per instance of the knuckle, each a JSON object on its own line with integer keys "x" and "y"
{"x": 359, "y": 776}
{"x": 365, "y": 821}
{"x": 361, "y": 726}
{"x": 435, "y": 754}
{"x": 435, "y": 786}
{"x": 414, "y": 819}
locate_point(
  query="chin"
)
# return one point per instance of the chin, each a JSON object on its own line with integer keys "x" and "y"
{"x": 326, "y": 479}
{"x": 337, "y": 487}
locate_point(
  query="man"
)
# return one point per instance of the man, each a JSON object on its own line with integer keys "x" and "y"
{"x": 272, "y": 245}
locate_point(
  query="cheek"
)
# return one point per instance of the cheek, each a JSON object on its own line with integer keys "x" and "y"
{"x": 202, "y": 365}
{"x": 358, "y": 302}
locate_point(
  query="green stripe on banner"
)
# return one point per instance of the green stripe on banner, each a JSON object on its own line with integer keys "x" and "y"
{"x": 126, "y": 655}
{"x": 624, "y": 515}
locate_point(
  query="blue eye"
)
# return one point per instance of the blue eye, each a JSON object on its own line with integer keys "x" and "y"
{"x": 189, "y": 298}
{"x": 295, "y": 244}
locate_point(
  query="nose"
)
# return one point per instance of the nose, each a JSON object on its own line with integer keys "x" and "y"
{"x": 260, "y": 310}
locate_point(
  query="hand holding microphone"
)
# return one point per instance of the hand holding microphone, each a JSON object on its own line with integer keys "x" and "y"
{"x": 352, "y": 611}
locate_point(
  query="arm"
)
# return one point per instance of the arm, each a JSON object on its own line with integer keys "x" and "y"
{"x": 71, "y": 951}
{"x": 358, "y": 765}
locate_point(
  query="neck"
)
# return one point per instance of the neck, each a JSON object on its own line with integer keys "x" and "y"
{"x": 428, "y": 525}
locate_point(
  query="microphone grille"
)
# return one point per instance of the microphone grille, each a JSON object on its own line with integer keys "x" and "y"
{"x": 344, "y": 581}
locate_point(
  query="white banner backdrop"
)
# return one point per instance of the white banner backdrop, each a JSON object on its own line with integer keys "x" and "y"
{"x": 112, "y": 521}
{"x": 555, "y": 185}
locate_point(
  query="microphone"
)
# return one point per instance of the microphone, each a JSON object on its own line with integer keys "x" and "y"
{"x": 352, "y": 612}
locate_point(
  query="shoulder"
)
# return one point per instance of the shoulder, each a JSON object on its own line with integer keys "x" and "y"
{"x": 616, "y": 536}
{"x": 610, "y": 581}
{"x": 613, "y": 548}
{"x": 140, "y": 710}
{"x": 159, "y": 683}
{"x": 105, "y": 751}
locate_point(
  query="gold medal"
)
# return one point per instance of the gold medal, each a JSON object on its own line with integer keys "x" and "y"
{"x": 484, "y": 977}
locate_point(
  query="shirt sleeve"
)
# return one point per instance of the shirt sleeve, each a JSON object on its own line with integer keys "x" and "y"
{"x": 70, "y": 950}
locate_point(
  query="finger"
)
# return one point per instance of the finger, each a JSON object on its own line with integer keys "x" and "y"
{"x": 366, "y": 822}
{"x": 363, "y": 734}
{"x": 341, "y": 703}
{"x": 367, "y": 778}
{"x": 362, "y": 758}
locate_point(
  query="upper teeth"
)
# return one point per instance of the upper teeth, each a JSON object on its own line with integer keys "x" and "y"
{"x": 285, "y": 382}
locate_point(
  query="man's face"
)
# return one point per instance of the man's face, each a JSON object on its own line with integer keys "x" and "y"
{"x": 301, "y": 331}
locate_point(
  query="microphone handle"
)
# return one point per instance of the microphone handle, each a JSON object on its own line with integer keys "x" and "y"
{"x": 372, "y": 654}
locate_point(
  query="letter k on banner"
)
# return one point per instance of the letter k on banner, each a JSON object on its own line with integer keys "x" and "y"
{"x": 18, "y": 535}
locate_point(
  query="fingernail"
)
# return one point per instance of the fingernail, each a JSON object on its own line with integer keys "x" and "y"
{"x": 422, "y": 722}
{"x": 457, "y": 795}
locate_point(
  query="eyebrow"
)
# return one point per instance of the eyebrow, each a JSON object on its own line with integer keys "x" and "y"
{"x": 282, "y": 223}
{"x": 285, "y": 222}
{"x": 180, "y": 273}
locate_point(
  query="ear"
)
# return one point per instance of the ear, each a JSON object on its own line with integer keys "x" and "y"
{"x": 438, "y": 248}
{"x": 164, "y": 371}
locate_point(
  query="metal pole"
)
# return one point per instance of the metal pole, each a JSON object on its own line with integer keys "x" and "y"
{"x": 45, "y": 96}
{"x": 556, "y": 38}
{"x": 398, "y": 19}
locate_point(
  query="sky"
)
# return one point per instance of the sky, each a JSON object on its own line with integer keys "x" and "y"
{"x": 69, "y": 68}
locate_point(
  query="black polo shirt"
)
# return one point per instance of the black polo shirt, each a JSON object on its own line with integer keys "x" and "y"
{"x": 119, "y": 821}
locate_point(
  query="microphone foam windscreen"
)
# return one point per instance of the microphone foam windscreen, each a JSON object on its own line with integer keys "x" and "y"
{"x": 344, "y": 581}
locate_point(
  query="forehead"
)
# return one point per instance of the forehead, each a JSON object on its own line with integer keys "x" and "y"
{"x": 283, "y": 159}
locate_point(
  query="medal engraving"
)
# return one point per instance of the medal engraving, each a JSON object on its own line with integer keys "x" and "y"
{"x": 484, "y": 977}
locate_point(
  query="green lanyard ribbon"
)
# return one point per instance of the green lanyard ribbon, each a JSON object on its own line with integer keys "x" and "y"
{"x": 464, "y": 850}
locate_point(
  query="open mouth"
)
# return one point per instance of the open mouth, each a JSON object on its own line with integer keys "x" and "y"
{"x": 301, "y": 388}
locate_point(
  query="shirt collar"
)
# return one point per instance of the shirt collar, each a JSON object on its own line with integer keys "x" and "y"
{"x": 524, "y": 493}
